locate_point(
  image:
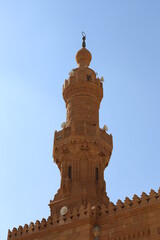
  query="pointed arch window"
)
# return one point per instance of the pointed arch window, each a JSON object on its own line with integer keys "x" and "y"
{"x": 97, "y": 174}
{"x": 70, "y": 172}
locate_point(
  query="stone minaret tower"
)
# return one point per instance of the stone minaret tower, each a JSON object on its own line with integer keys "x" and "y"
{"x": 81, "y": 150}
{"x": 81, "y": 208}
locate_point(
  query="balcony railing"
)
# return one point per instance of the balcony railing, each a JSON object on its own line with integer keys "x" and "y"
{"x": 83, "y": 130}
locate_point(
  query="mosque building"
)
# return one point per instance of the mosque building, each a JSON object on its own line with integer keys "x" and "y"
{"x": 81, "y": 208}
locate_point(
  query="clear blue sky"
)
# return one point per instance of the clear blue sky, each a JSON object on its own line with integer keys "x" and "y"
{"x": 38, "y": 43}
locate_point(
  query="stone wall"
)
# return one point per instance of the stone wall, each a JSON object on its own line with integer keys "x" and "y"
{"x": 138, "y": 218}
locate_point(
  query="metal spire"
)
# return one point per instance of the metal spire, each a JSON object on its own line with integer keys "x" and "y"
{"x": 84, "y": 39}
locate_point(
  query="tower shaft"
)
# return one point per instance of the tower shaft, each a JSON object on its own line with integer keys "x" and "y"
{"x": 81, "y": 149}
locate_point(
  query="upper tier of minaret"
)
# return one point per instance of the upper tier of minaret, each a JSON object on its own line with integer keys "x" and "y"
{"x": 83, "y": 92}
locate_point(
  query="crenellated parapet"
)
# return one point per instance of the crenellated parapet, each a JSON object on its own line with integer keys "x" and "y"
{"x": 135, "y": 202}
{"x": 55, "y": 221}
{"x": 95, "y": 213}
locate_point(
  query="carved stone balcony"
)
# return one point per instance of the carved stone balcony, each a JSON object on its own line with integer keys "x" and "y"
{"x": 83, "y": 132}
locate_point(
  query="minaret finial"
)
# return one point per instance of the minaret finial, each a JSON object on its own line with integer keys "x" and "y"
{"x": 83, "y": 38}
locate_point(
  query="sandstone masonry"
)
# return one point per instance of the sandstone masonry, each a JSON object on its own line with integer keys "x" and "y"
{"x": 82, "y": 151}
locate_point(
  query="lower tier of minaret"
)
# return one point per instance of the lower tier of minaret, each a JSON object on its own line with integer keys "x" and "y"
{"x": 81, "y": 155}
{"x": 75, "y": 140}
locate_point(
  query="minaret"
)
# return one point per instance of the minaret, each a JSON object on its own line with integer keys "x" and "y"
{"x": 81, "y": 149}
